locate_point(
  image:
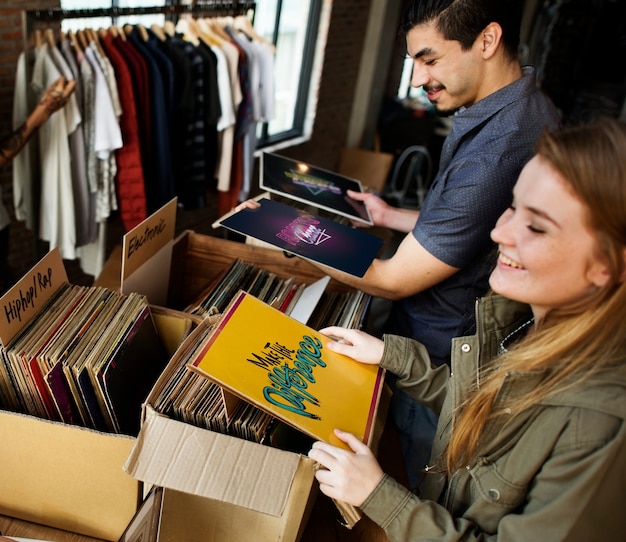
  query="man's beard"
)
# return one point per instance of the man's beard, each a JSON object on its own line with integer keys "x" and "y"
{"x": 445, "y": 112}
{"x": 439, "y": 111}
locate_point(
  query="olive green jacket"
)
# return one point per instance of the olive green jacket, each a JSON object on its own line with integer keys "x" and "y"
{"x": 556, "y": 472}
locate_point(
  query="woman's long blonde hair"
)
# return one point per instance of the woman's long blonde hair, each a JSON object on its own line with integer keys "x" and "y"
{"x": 567, "y": 347}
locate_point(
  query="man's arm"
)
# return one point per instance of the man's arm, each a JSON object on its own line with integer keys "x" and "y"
{"x": 410, "y": 270}
{"x": 53, "y": 99}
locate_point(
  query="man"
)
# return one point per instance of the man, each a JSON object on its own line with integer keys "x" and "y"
{"x": 465, "y": 58}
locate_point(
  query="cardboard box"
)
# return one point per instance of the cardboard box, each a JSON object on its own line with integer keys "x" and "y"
{"x": 224, "y": 488}
{"x": 65, "y": 476}
{"x": 200, "y": 259}
{"x": 372, "y": 168}
{"x": 69, "y": 477}
{"x": 221, "y": 488}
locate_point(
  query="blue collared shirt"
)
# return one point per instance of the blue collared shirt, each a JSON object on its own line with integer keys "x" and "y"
{"x": 489, "y": 144}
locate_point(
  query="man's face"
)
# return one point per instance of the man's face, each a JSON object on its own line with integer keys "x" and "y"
{"x": 450, "y": 76}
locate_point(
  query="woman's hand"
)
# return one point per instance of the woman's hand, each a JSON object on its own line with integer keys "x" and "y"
{"x": 346, "y": 476}
{"x": 355, "y": 344}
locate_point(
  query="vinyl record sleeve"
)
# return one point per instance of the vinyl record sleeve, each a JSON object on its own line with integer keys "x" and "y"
{"x": 307, "y": 183}
{"x": 282, "y": 366}
{"x": 310, "y": 236}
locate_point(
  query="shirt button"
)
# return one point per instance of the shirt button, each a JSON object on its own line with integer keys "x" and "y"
{"x": 494, "y": 494}
{"x": 466, "y": 348}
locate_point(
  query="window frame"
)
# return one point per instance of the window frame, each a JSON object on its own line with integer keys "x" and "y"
{"x": 301, "y": 109}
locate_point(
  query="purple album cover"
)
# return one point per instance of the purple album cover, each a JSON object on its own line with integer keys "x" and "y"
{"x": 309, "y": 236}
{"x": 309, "y": 184}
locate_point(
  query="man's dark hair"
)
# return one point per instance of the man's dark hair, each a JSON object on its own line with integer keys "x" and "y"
{"x": 464, "y": 20}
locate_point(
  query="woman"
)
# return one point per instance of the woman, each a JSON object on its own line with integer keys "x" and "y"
{"x": 531, "y": 437}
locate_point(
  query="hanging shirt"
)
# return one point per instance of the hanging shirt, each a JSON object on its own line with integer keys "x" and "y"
{"x": 88, "y": 91}
{"x": 267, "y": 101}
{"x": 108, "y": 138}
{"x": 213, "y": 112}
{"x": 23, "y": 187}
{"x": 56, "y": 209}
{"x": 141, "y": 88}
{"x": 227, "y": 135}
{"x": 77, "y": 145}
{"x": 254, "y": 115}
{"x": 194, "y": 145}
{"x": 183, "y": 104}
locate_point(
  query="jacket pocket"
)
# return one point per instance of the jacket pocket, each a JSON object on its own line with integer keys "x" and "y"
{"x": 484, "y": 495}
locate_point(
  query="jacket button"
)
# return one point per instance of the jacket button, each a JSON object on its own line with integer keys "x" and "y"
{"x": 494, "y": 494}
{"x": 465, "y": 348}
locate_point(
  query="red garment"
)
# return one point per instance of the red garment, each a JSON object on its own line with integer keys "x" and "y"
{"x": 129, "y": 181}
{"x": 141, "y": 86}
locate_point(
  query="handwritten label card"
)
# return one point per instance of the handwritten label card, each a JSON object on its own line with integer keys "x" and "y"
{"x": 22, "y": 302}
{"x": 147, "y": 254}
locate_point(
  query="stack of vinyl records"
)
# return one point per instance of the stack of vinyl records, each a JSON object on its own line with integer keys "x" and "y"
{"x": 89, "y": 358}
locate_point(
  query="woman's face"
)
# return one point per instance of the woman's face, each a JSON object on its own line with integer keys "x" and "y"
{"x": 548, "y": 255}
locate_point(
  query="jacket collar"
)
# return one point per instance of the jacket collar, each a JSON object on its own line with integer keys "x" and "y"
{"x": 496, "y": 317}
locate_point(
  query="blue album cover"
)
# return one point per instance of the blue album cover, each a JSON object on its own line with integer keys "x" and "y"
{"x": 312, "y": 237}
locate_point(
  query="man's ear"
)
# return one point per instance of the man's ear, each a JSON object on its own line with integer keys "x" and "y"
{"x": 490, "y": 39}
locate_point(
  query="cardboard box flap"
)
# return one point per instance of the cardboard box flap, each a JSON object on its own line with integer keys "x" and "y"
{"x": 62, "y": 475}
{"x": 179, "y": 456}
{"x": 147, "y": 255}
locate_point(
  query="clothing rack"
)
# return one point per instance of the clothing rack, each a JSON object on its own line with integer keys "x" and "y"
{"x": 213, "y": 7}
{"x": 196, "y": 8}
{"x": 205, "y": 7}
{"x": 231, "y": 8}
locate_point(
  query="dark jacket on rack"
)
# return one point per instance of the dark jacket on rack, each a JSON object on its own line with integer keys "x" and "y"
{"x": 162, "y": 184}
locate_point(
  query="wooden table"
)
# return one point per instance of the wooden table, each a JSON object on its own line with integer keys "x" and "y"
{"x": 17, "y": 527}
{"x": 323, "y": 525}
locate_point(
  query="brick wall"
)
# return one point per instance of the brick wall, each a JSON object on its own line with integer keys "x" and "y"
{"x": 22, "y": 241}
{"x": 346, "y": 32}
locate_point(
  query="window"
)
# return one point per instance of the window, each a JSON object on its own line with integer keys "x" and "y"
{"x": 280, "y": 22}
